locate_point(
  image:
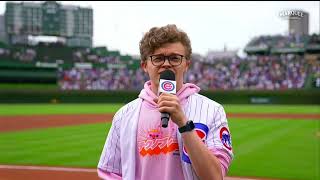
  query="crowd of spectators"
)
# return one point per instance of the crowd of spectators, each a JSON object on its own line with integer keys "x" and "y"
{"x": 255, "y": 73}
{"x": 55, "y": 51}
{"x": 101, "y": 79}
{"x": 280, "y": 41}
{"x": 258, "y": 72}
{"x": 21, "y": 54}
{"x": 315, "y": 72}
{"x": 290, "y": 41}
{"x": 314, "y": 41}
{"x": 220, "y": 75}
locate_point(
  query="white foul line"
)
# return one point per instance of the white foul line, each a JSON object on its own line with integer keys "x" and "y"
{"x": 47, "y": 168}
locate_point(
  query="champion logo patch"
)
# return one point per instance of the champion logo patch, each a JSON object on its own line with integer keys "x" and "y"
{"x": 225, "y": 138}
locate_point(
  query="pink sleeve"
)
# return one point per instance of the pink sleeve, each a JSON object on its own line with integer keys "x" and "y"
{"x": 108, "y": 175}
{"x": 224, "y": 159}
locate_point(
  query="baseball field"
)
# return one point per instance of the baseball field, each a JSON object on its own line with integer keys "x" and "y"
{"x": 269, "y": 141}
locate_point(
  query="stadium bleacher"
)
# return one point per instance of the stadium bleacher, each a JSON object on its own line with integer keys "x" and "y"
{"x": 273, "y": 63}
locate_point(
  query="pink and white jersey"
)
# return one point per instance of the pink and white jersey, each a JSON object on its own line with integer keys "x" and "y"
{"x": 158, "y": 149}
{"x": 157, "y": 154}
{"x": 137, "y": 147}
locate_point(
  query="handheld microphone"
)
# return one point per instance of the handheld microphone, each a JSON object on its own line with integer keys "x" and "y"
{"x": 167, "y": 84}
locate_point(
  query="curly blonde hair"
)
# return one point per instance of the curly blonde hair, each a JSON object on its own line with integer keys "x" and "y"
{"x": 158, "y": 36}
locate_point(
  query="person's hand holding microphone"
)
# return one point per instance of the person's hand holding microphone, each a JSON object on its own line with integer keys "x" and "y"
{"x": 168, "y": 102}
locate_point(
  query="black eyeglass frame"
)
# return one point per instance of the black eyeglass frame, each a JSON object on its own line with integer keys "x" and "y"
{"x": 164, "y": 58}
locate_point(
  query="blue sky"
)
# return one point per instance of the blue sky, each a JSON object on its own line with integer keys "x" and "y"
{"x": 210, "y": 25}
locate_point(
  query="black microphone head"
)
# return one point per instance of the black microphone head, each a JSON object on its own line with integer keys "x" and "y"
{"x": 168, "y": 75}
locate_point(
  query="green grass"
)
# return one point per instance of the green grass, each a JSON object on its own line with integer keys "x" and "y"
{"x": 67, "y": 146}
{"x": 293, "y": 109}
{"x": 285, "y": 149}
{"x": 10, "y": 86}
{"x": 31, "y": 109}
{"x": 288, "y": 149}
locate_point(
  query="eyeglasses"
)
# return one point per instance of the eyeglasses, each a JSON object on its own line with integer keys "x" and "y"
{"x": 174, "y": 60}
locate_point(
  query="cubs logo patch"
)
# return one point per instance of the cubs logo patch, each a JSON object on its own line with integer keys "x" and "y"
{"x": 202, "y": 131}
{"x": 168, "y": 86}
{"x": 225, "y": 138}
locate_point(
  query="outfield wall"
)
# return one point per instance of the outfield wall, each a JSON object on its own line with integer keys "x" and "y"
{"x": 223, "y": 97}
